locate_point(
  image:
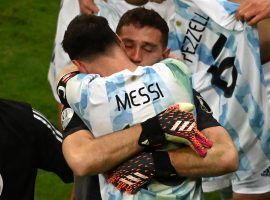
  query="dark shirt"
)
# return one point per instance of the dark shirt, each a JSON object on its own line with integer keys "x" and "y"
{"x": 28, "y": 142}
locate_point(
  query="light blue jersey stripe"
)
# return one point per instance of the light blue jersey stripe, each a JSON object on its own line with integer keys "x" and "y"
{"x": 230, "y": 7}
{"x": 225, "y": 61}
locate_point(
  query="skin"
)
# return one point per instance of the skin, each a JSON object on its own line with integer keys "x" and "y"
{"x": 88, "y": 7}
{"x": 113, "y": 149}
{"x": 264, "y": 35}
{"x": 109, "y": 150}
{"x": 253, "y": 11}
{"x": 143, "y": 45}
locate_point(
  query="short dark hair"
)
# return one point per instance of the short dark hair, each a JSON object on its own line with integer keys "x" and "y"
{"x": 88, "y": 36}
{"x": 137, "y": 2}
{"x": 144, "y": 17}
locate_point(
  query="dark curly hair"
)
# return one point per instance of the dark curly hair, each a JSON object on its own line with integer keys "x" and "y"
{"x": 88, "y": 36}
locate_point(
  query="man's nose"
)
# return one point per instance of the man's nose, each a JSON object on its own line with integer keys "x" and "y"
{"x": 136, "y": 56}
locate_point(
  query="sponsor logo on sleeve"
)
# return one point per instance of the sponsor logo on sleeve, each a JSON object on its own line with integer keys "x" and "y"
{"x": 204, "y": 105}
{"x": 66, "y": 116}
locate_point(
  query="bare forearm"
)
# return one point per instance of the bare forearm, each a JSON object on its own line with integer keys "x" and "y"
{"x": 113, "y": 149}
{"x": 92, "y": 156}
{"x": 221, "y": 158}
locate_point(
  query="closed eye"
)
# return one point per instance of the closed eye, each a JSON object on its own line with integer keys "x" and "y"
{"x": 149, "y": 47}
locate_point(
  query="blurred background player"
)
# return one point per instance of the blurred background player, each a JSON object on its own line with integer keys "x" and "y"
{"x": 223, "y": 55}
{"x": 28, "y": 142}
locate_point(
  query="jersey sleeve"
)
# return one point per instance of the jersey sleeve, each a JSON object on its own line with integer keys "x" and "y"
{"x": 62, "y": 85}
{"x": 71, "y": 122}
{"x": 205, "y": 117}
{"x": 49, "y": 147}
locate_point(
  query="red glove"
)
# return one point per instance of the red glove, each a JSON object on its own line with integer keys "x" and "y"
{"x": 139, "y": 170}
{"x": 134, "y": 173}
{"x": 180, "y": 126}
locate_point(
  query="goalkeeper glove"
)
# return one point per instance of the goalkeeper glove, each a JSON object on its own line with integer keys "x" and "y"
{"x": 179, "y": 125}
{"x": 139, "y": 170}
{"x": 134, "y": 173}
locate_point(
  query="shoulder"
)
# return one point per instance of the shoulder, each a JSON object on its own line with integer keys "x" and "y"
{"x": 14, "y": 106}
{"x": 19, "y": 113}
{"x": 176, "y": 65}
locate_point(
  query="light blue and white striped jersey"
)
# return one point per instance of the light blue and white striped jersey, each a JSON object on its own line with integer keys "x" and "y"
{"x": 223, "y": 55}
{"x": 127, "y": 98}
{"x": 108, "y": 104}
{"x": 112, "y": 10}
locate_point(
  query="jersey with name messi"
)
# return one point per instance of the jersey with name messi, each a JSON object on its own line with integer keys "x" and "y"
{"x": 112, "y": 10}
{"x": 108, "y": 104}
{"x": 223, "y": 55}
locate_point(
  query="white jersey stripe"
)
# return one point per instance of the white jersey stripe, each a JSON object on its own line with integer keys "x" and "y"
{"x": 41, "y": 118}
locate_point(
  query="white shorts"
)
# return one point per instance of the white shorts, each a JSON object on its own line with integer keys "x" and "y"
{"x": 257, "y": 183}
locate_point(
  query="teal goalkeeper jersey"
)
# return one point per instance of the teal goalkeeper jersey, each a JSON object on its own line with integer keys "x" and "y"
{"x": 108, "y": 104}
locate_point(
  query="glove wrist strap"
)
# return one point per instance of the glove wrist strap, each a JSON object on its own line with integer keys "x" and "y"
{"x": 165, "y": 173}
{"x": 152, "y": 134}
{"x": 163, "y": 164}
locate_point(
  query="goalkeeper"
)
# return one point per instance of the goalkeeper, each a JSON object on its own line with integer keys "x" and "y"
{"x": 122, "y": 146}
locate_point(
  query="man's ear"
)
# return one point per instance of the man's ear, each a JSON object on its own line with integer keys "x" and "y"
{"x": 81, "y": 66}
{"x": 120, "y": 42}
{"x": 166, "y": 53}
